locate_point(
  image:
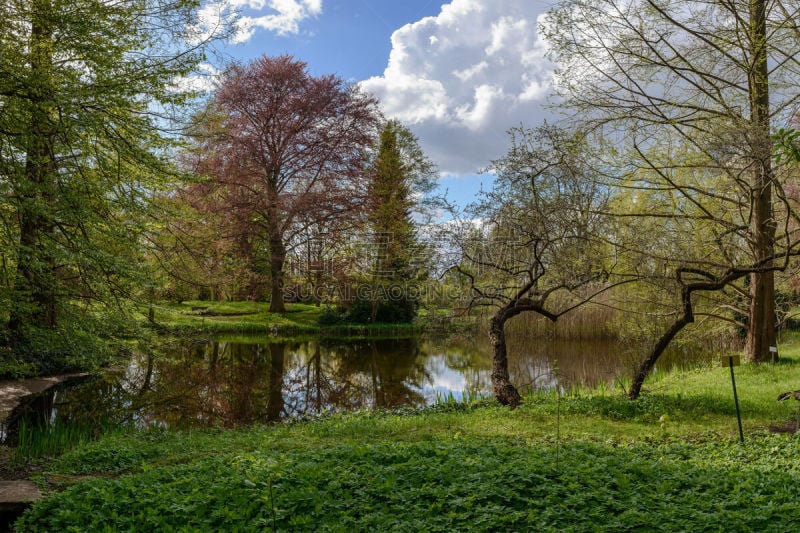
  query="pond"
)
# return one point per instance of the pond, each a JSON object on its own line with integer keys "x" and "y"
{"x": 230, "y": 382}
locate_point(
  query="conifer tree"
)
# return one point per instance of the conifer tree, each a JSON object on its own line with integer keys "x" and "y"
{"x": 402, "y": 177}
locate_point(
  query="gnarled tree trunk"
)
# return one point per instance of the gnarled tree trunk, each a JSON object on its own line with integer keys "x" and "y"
{"x": 711, "y": 283}
{"x": 647, "y": 365}
{"x": 504, "y": 391}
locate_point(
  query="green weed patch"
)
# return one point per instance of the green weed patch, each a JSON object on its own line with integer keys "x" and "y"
{"x": 444, "y": 485}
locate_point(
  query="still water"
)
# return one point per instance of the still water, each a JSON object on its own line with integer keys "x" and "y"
{"x": 191, "y": 383}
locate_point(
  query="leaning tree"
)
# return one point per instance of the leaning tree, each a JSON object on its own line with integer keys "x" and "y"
{"x": 533, "y": 242}
{"x": 284, "y": 149}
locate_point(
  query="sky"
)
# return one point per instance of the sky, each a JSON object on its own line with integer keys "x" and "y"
{"x": 459, "y": 73}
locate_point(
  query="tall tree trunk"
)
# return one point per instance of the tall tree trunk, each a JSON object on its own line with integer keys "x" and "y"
{"x": 36, "y": 301}
{"x": 504, "y": 391}
{"x": 761, "y": 327}
{"x": 277, "y": 250}
{"x": 277, "y": 258}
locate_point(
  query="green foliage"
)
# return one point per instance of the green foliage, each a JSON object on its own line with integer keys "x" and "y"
{"x": 392, "y": 202}
{"x": 83, "y": 341}
{"x": 786, "y": 145}
{"x": 450, "y": 484}
{"x": 86, "y": 102}
{"x": 13, "y": 368}
{"x": 330, "y": 316}
{"x": 44, "y": 351}
{"x": 669, "y": 461}
{"x": 402, "y": 180}
{"x": 400, "y": 309}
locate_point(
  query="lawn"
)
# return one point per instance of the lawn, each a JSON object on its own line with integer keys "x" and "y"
{"x": 255, "y": 318}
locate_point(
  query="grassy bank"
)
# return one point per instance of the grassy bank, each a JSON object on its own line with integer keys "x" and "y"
{"x": 255, "y": 318}
{"x": 588, "y": 461}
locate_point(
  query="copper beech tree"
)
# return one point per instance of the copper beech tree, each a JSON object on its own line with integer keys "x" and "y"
{"x": 284, "y": 149}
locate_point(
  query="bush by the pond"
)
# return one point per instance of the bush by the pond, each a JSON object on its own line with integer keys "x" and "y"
{"x": 44, "y": 351}
{"x": 388, "y": 308}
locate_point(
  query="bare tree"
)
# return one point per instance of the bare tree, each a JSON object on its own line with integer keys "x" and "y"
{"x": 691, "y": 92}
{"x": 531, "y": 243}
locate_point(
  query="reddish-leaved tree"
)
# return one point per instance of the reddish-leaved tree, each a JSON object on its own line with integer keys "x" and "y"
{"x": 283, "y": 149}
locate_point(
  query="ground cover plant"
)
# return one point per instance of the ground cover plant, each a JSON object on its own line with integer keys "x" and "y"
{"x": 445, "y": 484}
{"x": 588, "y": 460}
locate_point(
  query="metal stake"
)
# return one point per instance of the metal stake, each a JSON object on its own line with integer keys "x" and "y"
{"x": 736, "y": 399}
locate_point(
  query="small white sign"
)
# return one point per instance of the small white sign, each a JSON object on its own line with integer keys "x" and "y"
{"x": 773, "y": 349}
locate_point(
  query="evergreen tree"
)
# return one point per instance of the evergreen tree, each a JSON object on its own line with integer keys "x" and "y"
{"x": 402, "y": 177}
{"x": 390, "y": 216}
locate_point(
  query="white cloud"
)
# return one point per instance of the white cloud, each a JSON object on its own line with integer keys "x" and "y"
{"x": 469, "y": 72}
{"x": 284, "y": 20}
{"x": 461, "y": 79}
{"x": 283, "y": 17}
{"x": 487, "y": 101}
{"x": 203, "y": 80}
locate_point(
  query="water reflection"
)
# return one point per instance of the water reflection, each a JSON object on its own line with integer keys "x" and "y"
{"x": 231, "y": 382}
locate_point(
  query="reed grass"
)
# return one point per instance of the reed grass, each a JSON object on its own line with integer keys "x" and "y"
{"x": 465, "y": 398}
{"x": 591, "y": 321}
{"x": 36, "y": 440}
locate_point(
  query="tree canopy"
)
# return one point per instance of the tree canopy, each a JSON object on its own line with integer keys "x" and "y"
{"x": 284, "y": 149}
{"x": 86, "y": 93}
{"x": 690, "y": 93}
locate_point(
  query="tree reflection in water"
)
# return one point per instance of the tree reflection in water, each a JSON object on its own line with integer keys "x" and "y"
{"x": 348, "y": 376}
{"x": 230, "y": 383}
{"x": 189, "y": 383}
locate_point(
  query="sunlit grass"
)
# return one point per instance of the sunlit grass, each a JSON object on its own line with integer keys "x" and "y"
{"x": 255, "y": 318}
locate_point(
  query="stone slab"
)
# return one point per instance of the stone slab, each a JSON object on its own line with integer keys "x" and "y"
{"x": 16, "y": 495}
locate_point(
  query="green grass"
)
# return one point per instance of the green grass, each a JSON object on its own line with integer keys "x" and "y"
{"x": 586, "y": 461}
{"x": 255, "y": 318}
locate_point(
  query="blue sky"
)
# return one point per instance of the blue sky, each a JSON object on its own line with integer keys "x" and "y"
{"x": 350, "y": 38}
{"x": 459, "y": 73}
